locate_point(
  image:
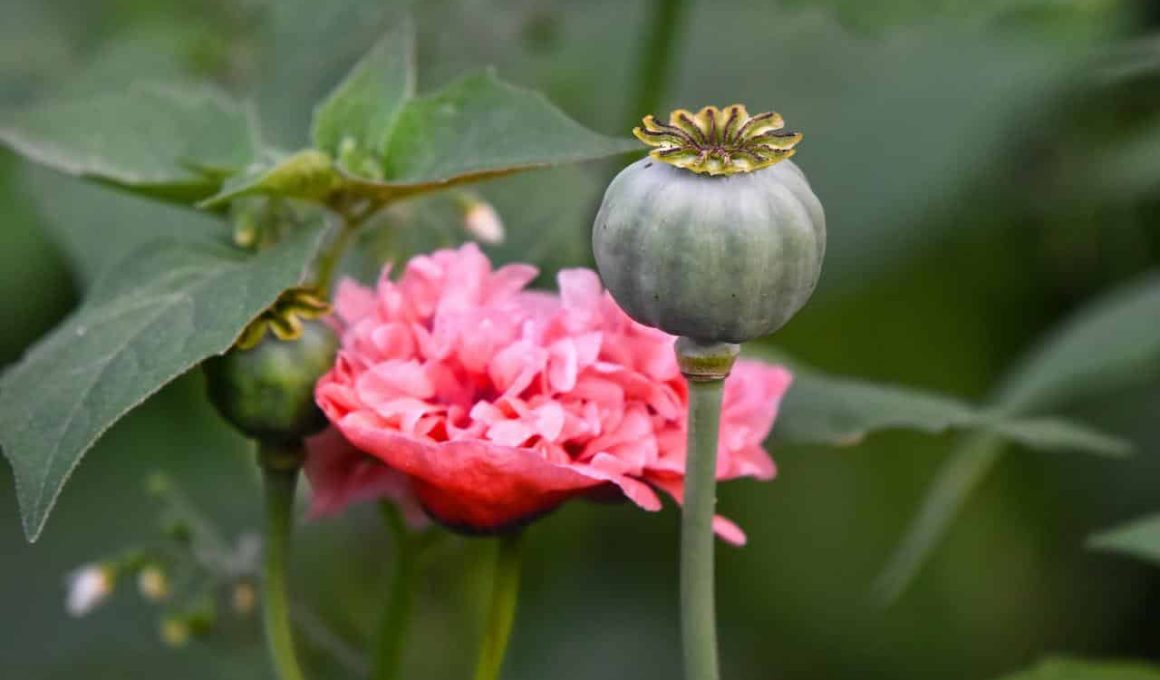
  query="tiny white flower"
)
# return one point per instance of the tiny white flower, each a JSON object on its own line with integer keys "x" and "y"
{"x": 482, "y": 221}
{"x": 153, "y": 584}
{"x": 88, "y": 587}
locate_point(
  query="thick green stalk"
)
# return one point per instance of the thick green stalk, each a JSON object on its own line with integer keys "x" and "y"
{"x": 396, "y": 614}
{"x": 656, "y": 58}
{"x": 698, "y": 613}
{"x": 502, "y": 612}
{"x": 705, "y": 365}
{"x": 280, "y": 464}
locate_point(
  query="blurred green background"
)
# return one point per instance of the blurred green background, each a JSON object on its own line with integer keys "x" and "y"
{"x": 987, "y": 167}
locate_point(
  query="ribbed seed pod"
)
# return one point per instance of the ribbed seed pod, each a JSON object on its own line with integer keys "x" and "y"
{"x": 716, "y": 258}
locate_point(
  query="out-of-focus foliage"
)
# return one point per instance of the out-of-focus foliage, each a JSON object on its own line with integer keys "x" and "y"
{"x": 1113, "y": 343}
{"x": 1070, "y": 669}
{"x": 986, "y": 172}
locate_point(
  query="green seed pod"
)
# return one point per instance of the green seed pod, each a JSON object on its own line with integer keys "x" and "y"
{"x": 714, "y": 236}
{"x": 264, "y": 386}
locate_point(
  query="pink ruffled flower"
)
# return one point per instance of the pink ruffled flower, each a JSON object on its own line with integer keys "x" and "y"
{"x": 498, "y": 404}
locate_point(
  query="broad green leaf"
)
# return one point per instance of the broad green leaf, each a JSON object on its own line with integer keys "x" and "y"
{"x": 475, "y": 129}
{"x": 821, "y": 409}
{"x": 167, "y": 142}
{"x": 362, "y": 110}
{"x": 164, "y": 310}
{"x": 96, "y": 227}
{"x": 1075, "y": 669}
{"x": 480, "y": 127}
{"x": 1139, "y": 538}
{"x": 1112, "y": 343}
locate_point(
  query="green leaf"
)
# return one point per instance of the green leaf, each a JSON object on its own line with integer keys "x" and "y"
{"x": 481, "y": 127}
{"x": 1139, "y": 538}
{"x": 1075, "y": 669}
{"x": 96, "y": 227}
{"x": 376, "y": 140}
{"x": 166, "y": 142}
{"x": 363, "y": 109}
{"x": 821, "y": 409}
{"x": 1112, "y": 343}
{"x": 308, "y": 175}
{"x": 164, "y": 310}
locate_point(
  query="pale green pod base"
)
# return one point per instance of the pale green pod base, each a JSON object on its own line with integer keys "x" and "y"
{"x": 717, "y": 259}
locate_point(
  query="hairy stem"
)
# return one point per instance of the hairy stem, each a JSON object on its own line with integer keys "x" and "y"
{"x": 392, "y": 634}
{"x": 331, "y": 256}
{"x": 280, "y": 465}
{"x": 705, "y": 365}
{"x": 502, "y": 611}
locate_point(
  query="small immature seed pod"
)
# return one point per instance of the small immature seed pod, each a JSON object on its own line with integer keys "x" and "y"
{"x": 264, "y": 386}
{"x": 714, "y": 236}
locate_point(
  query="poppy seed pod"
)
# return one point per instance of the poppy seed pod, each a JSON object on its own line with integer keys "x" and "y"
{"x": 264, "y": 386}
{"x": 716, "y": 235}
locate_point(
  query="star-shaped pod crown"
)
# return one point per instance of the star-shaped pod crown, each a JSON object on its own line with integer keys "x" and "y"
{"x": 285, "y": 317}
{"x": 715, "y": 141}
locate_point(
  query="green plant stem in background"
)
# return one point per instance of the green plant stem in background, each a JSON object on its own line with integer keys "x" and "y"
{"x": 502, "y": 610}
{"x": 280, "y": 464}
{"x": 698, "y": 613}
{"x": 656, "y": 58}
{"x": 396, "y": 616}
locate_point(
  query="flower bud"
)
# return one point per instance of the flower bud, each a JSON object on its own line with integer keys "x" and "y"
{"x": 152, "y": 583}
{"x": 480, "y": 220}
{"x": 174, "y": 631}
{"x": 88, "y": 588}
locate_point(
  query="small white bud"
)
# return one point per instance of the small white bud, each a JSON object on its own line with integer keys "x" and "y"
{"x": 153, "y": 584}
{"x": 482, "y": 222}
{"x": 243, "y": 598}
{"x": 175, "y": 631}
{"x": 88, "y": 587}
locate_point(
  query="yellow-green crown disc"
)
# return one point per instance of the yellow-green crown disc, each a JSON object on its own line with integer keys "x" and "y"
{"x": 284, "y": 318}
{"x": 717, "y": 141}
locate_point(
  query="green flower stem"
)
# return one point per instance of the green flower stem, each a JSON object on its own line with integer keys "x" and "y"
{"x": 280, "y": 464}
{"x": 331, "y": 256}
{"x": 504, "y": 592}
{"x": 656, "y": 57}
{"x": 705, "y": 366}
{"x": 396, "y": 617}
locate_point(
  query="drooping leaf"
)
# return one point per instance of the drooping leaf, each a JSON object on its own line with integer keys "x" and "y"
{"x": 956, "y": 478}
{"x": 1075, "y": 669}
{"x": 1111, "y": 343}
{"x": 96, "y": 227}
{"x": 164, "y": 310}
{"x": 167, "y": 142}
{"x": 362, "y": 110}
{"x": 1139, "y": 538}
{"x": 820, "y": 409}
